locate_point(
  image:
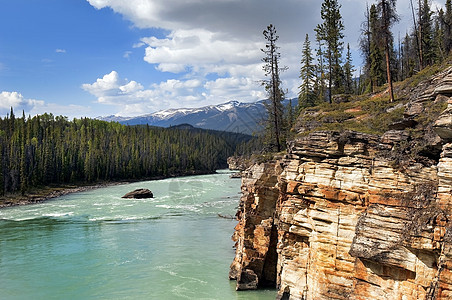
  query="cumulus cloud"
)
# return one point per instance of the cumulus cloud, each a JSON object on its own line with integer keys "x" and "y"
{"x": 234, "y": 88}
{"x": 110, "y": 89}
{"x": 131, "y": 98}
{"x": 199, "y": 49}
{"x": 17, "y": 102}
{"x": 60, "y": 50}
{"x": 223, "y": 38}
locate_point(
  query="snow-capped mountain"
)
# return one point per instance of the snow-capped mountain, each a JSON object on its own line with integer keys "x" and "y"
{"x": 232, "y": 116}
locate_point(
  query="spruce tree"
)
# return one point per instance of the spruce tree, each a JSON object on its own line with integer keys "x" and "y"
{"x": 320, "y": 74}
{"x": 331, "y": 33}
{"x": 274, "y": 124}
{"x": 291, "y": 115}
{"x": 348, "y": 72}
{"x": 426, "y": 34}
{"x": 439, "y": 36}
{"x": 376, "y": 50}
{"x": 387, "y": 9}
{"x": 2, "y": 168}
{"x": 365, "y": 43}
{"x": 447, "y": 23}
{"x": 306, "y": 96}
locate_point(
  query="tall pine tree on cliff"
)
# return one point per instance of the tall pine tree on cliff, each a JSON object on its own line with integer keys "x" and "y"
{"x": 306, "y": 96}
{"x": 426, "y": 34}
{"x": 275, "y": 109}
{"x": 330, "y": 32}
{"x": 447, "y": 24}
{"x": 387, "y": 9}
{"x": 348, "y": 73}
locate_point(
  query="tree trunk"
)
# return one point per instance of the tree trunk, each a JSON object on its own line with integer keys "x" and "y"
{"x": 388, "y": 63}
{"x": 330, "y": 77}
{"x": 275, "y": 101}
{"x": 388, "y": 70}
{"x": 421, "y": 51}
{"x": 418, "y": 42}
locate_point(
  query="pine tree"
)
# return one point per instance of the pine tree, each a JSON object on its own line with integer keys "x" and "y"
{"x": 417, "y": 35}
{"x": 331, "y": 33}
{"x": 376, "y": 51}
{"x": 272, "y": 85}
{"x": 291, "y": 115}
{"x": 439, "y": 37}
{"x": 365, "y": 43}
{"x": 447, "y": 24}
{"x": 306, "y": 96}
{"x": 426, "y": 34}
{"x": 2, "y": 164}
{"x": 320, "y": 74}
{"x": 348, "y": 72}
{"x": 410, "y": 55}
{"x": 387, "y": 9}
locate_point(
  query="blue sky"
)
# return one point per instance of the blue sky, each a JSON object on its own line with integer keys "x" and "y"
{"x": 131, "y": 57}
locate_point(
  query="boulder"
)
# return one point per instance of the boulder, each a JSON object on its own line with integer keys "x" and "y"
{"x": 443, "y": 126}
{"x": 394, "y": 136}
{"x": 139, "y": 194}
{"x": 236, "y": 175}
{"x": 403, "y": 124}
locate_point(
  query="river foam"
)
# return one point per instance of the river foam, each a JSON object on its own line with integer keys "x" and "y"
{"x": 96, "y": 245}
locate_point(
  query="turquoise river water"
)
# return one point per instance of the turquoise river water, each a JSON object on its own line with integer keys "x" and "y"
{"x": 96, "y": 245}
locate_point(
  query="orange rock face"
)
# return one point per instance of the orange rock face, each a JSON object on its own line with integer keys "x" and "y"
{"x": 335, "y": 219}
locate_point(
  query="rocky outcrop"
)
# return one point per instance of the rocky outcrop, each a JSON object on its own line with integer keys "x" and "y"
{"x": 255, "y": 235}
{"x": 239, "y": 163}
{"x": 139, "y": 194}
{"x": 345, "y": 223}
{"x": 343, "y": 216}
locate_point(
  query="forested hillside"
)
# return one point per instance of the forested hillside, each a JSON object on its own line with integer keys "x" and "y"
{"x": 47, "y": 150}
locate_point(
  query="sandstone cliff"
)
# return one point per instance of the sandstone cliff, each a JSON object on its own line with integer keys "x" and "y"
{"x": 350, "y": 216}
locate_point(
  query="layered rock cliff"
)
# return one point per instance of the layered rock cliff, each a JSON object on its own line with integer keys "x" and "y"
{"x": 347, "y": 215}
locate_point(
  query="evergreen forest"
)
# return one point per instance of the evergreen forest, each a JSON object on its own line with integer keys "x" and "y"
{"x": 46, "y": 150}
{"x": 327, "y": 74}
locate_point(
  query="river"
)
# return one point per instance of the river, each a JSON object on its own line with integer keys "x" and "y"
{"x": 96, "y": 245}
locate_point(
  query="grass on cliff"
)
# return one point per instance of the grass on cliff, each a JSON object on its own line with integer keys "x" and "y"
{"x": 372, "y": 113}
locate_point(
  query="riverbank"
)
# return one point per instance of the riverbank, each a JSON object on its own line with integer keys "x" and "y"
{"x": 46, "y": 193}
{"x": 39, "y": 195}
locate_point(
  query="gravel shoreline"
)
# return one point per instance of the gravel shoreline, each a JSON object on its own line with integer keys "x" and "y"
{"x": 57, "y": 192}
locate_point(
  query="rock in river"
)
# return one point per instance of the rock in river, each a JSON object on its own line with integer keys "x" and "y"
{"x": 139, "y": 194}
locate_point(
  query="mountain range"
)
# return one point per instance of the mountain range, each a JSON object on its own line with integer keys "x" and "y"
{"x": 232, "y": 116}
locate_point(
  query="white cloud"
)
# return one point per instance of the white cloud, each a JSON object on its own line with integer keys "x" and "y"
{"x": 200, "y": 50}
{"x": 127, "y": 54}
{"x": 222, "y": 38}
{"x": 17, "y": 102}
{"x": 110, "y": 89}
{"x": 138, "y": 45}
{"x": 60, "y": 50}
{"x": 234, "y": 88}
{"x": 38, "y": 107}
{"x": 131, "y": 98}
